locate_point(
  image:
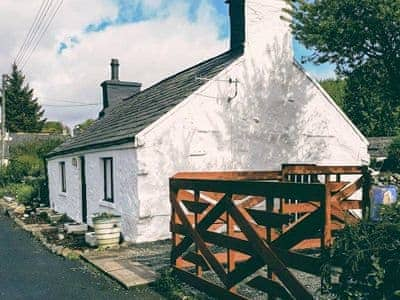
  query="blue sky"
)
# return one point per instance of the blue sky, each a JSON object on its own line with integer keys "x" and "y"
{"x": 135, "y": 11}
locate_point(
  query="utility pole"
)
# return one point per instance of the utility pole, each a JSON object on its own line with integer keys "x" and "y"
{"x": 3, "y": 120}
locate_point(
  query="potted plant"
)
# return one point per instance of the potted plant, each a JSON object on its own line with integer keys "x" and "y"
{"x": 107, "y": 228}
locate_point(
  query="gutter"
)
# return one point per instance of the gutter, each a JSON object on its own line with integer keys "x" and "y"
{"x": 90, "y": 147}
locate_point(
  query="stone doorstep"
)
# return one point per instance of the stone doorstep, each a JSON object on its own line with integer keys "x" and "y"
{"x": 127, "y": 272}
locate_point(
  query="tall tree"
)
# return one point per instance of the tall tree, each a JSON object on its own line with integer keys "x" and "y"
{"x": 362, "y": 38}
{"x": 336, "y": 89}
{"x": 23, "y": 112}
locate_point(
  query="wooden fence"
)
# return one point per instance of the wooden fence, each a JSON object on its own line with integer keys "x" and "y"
{"x": 244, "y": 227}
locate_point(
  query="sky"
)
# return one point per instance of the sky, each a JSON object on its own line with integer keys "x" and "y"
{"x": 151, "y": 38}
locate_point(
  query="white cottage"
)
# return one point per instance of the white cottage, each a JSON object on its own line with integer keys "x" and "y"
{"x": 251, "y": 108}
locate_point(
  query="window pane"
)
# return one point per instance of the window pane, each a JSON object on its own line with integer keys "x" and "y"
{"x": 108, "y": 179}
{"x": 63, "y": 177}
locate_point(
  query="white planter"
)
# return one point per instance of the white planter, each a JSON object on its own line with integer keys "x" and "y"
{"x": 107, "y": 230}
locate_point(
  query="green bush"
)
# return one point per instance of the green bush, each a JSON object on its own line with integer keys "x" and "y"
{"x": 393, "y": 161}
{"x": 23, "y": 193}
{"x": 369, "y": 256}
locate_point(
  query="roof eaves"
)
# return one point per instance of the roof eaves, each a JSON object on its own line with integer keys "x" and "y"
{"x": 90, "y": 147}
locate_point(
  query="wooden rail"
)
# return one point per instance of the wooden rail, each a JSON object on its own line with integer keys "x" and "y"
{"x": 237, "y": 225}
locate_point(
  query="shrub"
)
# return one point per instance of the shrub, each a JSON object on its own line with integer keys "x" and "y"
{"x": 369, "y": 256}
{"x": 25, "y": 193}
{"x": 393, "y": 161}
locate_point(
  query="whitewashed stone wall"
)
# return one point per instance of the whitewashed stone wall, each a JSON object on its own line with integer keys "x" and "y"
{"x": 277, "y": 114}
{"x": 125, "y": 188}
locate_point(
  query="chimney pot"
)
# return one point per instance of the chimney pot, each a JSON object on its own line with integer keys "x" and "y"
{"x": 114, "y": 69}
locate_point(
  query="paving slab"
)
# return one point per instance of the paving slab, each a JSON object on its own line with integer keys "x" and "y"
{"x": 126, "y": 271}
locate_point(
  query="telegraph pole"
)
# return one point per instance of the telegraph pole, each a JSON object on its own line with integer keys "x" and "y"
{"x": 3, "y": 120}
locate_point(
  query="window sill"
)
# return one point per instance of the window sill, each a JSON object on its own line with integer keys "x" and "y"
{"x": 62, "y": 194}
{"x": 107, "y": 204}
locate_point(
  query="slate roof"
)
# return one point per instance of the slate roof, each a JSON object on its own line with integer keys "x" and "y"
{"x": 378, "y": 146}
{"x": 121, "y": 123}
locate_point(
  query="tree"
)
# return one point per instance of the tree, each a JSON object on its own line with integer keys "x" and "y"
{"x": 23, "y": 112}
{"x": 336, "y": 89}
{"x": 83, "y": 126}
{"x": 54, "y": 127}
{"x": 362, "y": 38}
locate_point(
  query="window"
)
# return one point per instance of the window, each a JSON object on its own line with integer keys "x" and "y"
{"x": 108, "y": 179}
{"x": 63, "y": 177}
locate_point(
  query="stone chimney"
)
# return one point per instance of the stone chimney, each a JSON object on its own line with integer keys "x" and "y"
{"x": 256, "y": 25}
{"x": 114, "y": 90}
{"x": 238, "y": 24}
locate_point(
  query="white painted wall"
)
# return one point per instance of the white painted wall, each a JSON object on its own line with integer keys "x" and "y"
{"x": 126, "y": 201}
{"x": 279, "y": 115}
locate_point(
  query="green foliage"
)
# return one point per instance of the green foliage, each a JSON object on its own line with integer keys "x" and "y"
{"x": 370, "y": 102}
{"x": 54, "y": 127}
{"x": 394, "y": 155}
{"x": 23, "y": 193}
{"x": 170, "y": 286}
{"x": 24, "y": 177}
{"x": 24, "y": 114}
{"x": 361, "y": 38}
{"x": 38, "y": 147}
{"x": 85, "y": 125}
{"x": 369, "y": 255}
{"x": 336, "y": 89}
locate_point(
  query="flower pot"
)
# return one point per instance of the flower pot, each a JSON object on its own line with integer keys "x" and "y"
{"x": 107, "y": 230}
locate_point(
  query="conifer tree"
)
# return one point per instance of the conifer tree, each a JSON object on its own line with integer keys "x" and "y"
{"x": 23, "y": 112}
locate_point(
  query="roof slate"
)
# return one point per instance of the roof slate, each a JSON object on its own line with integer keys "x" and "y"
{"x": 121, "y": 123}
{"x": 379, "y": 146}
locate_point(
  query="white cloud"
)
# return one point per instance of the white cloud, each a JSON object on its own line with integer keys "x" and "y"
{"x": 148, "y": 50}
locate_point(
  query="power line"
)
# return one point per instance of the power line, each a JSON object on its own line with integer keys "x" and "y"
{"x": 76, "y": 105}
{"x": 35, "y": 29}
{"x": 42, "y": 34}
{"x": 28, "y": 34}
{"x": 75, "y": 101}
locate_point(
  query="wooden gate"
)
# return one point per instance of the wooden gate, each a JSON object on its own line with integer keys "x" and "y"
{"x": 234, "y": 228}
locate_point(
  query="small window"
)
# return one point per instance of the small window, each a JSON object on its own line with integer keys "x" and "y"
{"x": 63, "y": 177}
{"x": 108, "y": 179}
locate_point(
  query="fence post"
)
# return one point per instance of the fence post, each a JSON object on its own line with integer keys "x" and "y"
{"x": 199, "y": 271}
{"x": 366, "y": 186}
{"x": 173, "y": 195}
{"x": 326, "y": 239}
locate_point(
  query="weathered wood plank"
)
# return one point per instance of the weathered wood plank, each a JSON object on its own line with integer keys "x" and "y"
{"x": 350, "y": 204}
{"x": 272, "y": 288}
{"x": 299, "y": 207}
{"x": 195, "y": 207}
{"x": 206, "y": 286}
{"x": 299, "y": 261}
{"x": 196, "y": 259}
{"x": 205, "y": 223}
{"x": 226, "y": 241}
{"x": 348, "y": 191}
{"x": 245, "y": 175}
{"x": 299, "y": 231}
{"x": 264, "y": 251}
{"x": 320, "y": 170}
{"x": 269, "y": 219}
{"x": 299, "y": 191}
{"x": 212, "y": 262}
